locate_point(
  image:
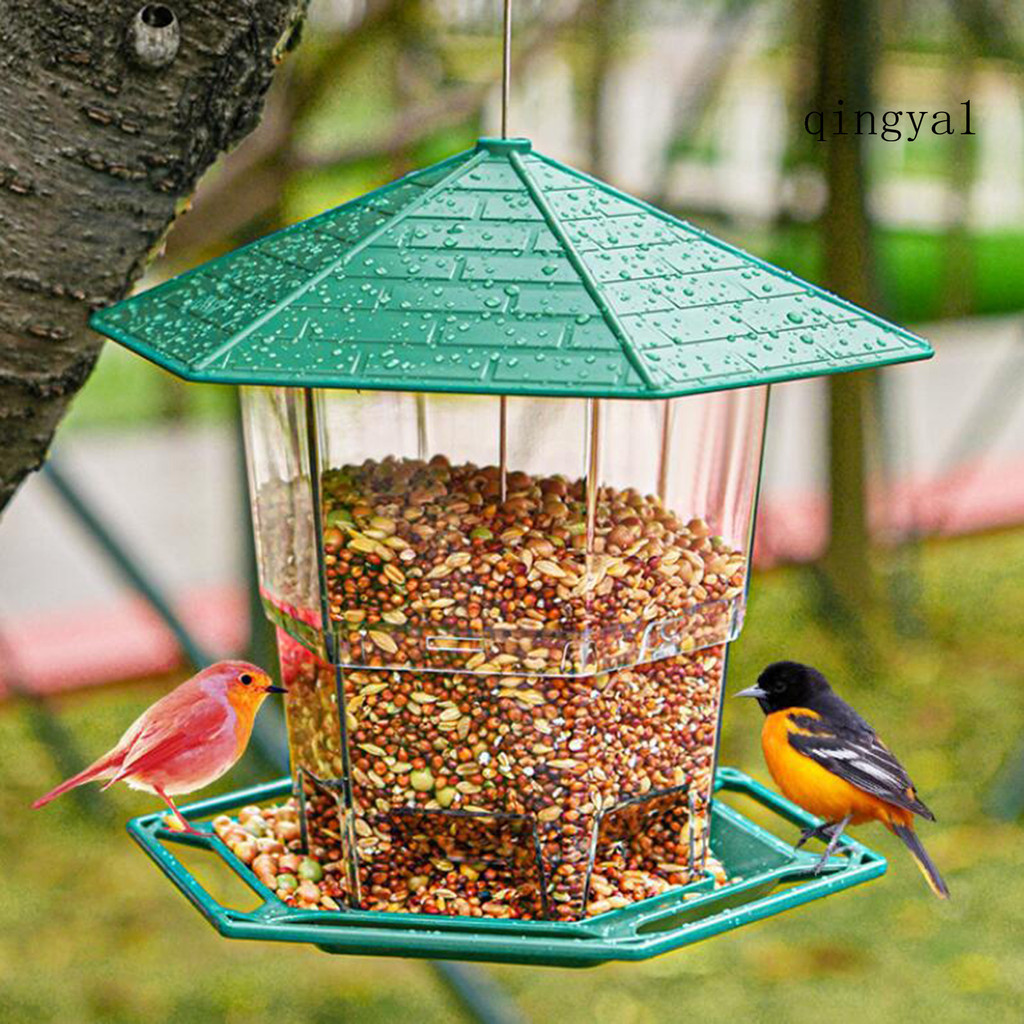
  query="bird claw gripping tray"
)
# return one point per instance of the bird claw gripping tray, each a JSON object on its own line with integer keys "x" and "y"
{"x": 504, "y": 429}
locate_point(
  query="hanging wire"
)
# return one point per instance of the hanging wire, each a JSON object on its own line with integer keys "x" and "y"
{"x": 506, "y": 67}
{"x": 503, "y": 445}
{"x": 506, "y": 86}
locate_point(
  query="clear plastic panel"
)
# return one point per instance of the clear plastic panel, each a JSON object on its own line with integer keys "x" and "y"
{"x": 673, "y": 522}
{"x": 521, "y": 713}
{"x": 620, "y": 534}
{"x": 547, "y": 798}
{"x": 436, "y": 560}
{"x": 318, "y": 748}
{"x": 281, "y": 498}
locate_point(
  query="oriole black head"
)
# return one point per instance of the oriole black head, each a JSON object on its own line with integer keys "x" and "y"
{"x": 788, "y": 684}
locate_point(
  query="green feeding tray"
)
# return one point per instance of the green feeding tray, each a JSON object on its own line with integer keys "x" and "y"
{"x": 500, "y": 271}
{"x": 766, "y": 876}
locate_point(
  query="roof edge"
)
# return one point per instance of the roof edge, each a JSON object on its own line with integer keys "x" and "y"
{"x": 571, "y": 389}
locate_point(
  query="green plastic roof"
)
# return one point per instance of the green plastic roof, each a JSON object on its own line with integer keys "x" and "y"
{"x": 499, "y": 271}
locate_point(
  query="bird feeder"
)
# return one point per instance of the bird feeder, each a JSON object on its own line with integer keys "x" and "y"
{"x": 504, "y": 427}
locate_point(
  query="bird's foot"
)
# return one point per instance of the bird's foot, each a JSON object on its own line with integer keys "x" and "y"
{"x": 815, "y": 832}
{"x": 822, "y": 862}
{"x": 835, "y": 832}
{"x": 185, "y": 828}
{"x": 820, "y": 866}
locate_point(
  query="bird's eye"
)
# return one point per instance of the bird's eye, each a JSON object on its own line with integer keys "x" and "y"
{"x": 245, "y": 679}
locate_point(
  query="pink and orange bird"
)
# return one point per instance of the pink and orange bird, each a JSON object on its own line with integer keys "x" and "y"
{"x": 187, "y": 739}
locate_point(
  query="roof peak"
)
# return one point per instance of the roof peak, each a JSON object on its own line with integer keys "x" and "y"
{"x": 499, "y": 147}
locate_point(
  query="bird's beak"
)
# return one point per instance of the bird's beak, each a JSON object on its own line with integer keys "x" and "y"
{"x": 752, "y": 691}
{"x": 274, "y": 689}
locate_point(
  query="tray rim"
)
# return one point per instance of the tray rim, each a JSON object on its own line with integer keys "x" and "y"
{"x": 632, "y": 933}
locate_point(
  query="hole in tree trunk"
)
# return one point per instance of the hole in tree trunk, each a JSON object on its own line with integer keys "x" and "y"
{"x": 157, "y": 15}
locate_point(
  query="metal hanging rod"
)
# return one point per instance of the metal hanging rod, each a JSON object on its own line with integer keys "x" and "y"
{"x": 506, "y": 67}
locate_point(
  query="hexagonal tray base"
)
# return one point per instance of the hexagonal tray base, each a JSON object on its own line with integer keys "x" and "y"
{"x": 767, "y": 876}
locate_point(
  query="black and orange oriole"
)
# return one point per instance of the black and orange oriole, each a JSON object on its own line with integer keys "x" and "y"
{"x": 827, "y": 759}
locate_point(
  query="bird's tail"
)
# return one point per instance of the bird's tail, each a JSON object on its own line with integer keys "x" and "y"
{"x": 924, "y": 862}
{"x": 100, "y": 769}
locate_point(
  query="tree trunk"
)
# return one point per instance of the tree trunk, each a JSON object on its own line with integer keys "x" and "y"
{"x": 105, "y": 127}
{"x": 845, "y": 44}
{"x": 604, "y": 20}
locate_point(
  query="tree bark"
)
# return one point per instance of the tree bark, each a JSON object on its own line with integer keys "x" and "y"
{"x": 100, "y": 147}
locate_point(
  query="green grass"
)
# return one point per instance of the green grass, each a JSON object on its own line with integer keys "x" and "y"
{"x": 91, "y": 933}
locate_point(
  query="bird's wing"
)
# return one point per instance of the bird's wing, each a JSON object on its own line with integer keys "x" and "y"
{"x": 170, "y": 729}
{"x": 853, "y": 751}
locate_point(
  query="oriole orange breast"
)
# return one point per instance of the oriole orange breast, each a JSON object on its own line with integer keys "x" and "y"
{"x": 810, "y": 784}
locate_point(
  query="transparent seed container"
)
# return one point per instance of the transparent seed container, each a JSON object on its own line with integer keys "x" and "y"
{"x": 503, "y": 625}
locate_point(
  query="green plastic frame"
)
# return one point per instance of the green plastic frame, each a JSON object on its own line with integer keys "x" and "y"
{"x": 759, "y": 861}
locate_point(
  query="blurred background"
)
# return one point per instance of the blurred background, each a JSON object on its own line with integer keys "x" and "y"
{"x": 889, "y": 540}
